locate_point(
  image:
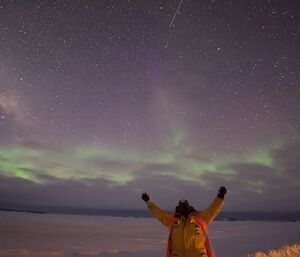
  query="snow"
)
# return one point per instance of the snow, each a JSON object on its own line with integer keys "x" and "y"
{"x": 54, "y": 235}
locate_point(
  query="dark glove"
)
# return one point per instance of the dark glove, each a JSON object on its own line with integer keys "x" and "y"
{"x": 145, "y": 197}
{"x": 222, "y": 192}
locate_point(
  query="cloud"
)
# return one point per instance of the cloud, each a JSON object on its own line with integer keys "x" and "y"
{"x": 152, "y": 169}
{"x": 110, "y": 165}
{"x": 259, "y": 187}
{"x": 101, "y": 193}
{"x": 38, "y": 174}
{"x": 288, "y": 161}
{"x": 55, "y": 192}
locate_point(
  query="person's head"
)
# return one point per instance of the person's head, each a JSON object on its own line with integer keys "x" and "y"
{"x": 183, "y": 208}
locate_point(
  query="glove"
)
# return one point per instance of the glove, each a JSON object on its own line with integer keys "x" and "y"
{"x": 145, "y": 197}
{"x": 222, "y": 192}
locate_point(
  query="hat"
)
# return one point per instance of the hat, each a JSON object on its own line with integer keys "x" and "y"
{"x": 183, "y": 202}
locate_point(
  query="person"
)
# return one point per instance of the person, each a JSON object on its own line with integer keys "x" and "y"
{"x": 188, "y": 235}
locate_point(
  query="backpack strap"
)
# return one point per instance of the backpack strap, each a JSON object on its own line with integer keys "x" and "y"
{"x": 208, "y": 246}
{"x": 170, "y": 243}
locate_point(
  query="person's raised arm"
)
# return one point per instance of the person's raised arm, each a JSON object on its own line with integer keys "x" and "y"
{"x": 163, "y": 216}
{"x": 214, "y": 208}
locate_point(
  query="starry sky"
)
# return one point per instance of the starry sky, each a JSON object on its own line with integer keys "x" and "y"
{"x": 101, "y": 101}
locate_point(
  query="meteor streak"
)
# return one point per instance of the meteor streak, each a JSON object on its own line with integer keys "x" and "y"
{"x": 175, "y": 14}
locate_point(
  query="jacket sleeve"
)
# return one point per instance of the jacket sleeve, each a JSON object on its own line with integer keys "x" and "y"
{"x": 212, "y": 211}
{"x": 163, "y": 216}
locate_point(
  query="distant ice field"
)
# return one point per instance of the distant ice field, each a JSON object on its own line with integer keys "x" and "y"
{"x": 57, "y": 235}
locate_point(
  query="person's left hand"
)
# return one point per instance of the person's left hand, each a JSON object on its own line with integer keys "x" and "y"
{"x": 222, "y": 191}
{"x": 145, "y": 197}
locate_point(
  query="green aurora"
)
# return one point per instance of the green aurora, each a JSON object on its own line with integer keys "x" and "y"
{"x": 118, "y": 166}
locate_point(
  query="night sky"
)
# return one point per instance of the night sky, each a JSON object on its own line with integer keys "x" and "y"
{"x": 101, "y": 101}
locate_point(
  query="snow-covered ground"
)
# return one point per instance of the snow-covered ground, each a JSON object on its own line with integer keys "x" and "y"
{"x": 53, "y": 235}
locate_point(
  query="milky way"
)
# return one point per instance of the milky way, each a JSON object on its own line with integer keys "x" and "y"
{"x": 104, "y": 99}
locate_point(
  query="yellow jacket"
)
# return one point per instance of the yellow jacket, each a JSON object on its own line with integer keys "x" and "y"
{"x": 187, "y": 237}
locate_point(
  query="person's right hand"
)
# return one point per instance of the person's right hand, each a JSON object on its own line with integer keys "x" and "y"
{"x": 145, "y": 197}
{"x": 222, "y": 192}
